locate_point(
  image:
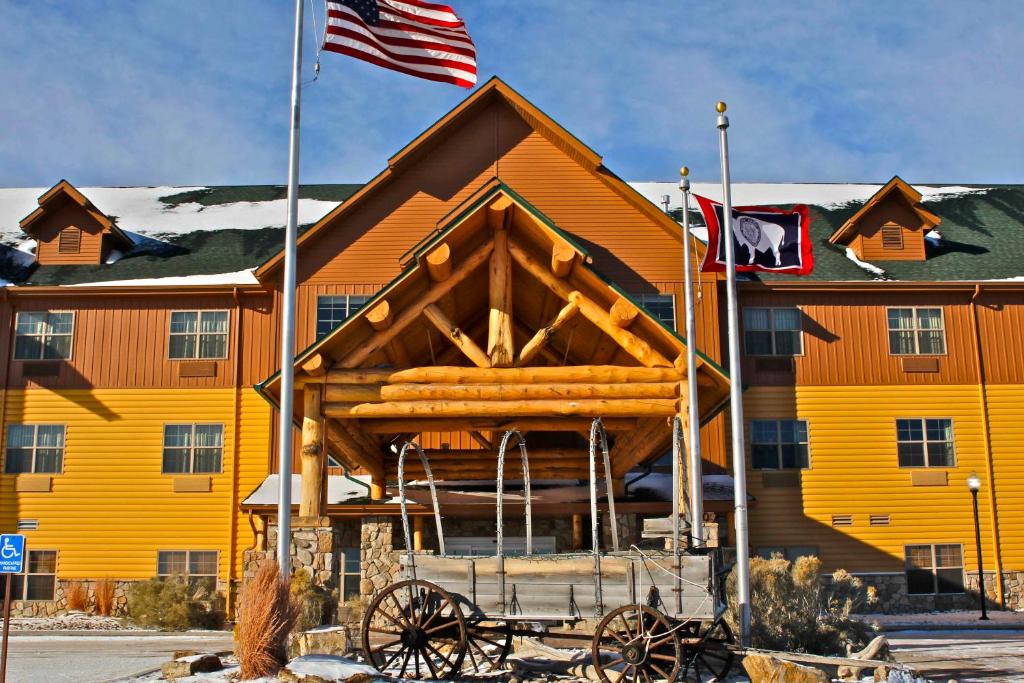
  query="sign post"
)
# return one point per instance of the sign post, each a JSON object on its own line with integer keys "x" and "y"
{"x": 12, "y": 561}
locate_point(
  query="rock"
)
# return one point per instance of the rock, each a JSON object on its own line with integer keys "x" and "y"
{"x": 327, "y": 669}
{"x": 767, "y": 669}
{"x": 174, "y": 670}
{"x": 877, "y": 649}
{"x": 326, "y": 640}
{"x": 190, "y": 665}
{"x": 204, "y": 664}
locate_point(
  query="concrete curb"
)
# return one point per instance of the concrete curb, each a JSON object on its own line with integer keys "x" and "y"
{"x": 969, "y": 626}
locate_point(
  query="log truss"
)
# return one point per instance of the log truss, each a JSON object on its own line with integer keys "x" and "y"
{"x": 500, "y": 324}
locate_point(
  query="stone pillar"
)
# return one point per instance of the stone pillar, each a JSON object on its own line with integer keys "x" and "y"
{"x": 379, "y": 561}
{"x": 314, "y": 549}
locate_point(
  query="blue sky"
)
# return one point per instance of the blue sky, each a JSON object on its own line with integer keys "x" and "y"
{"x": 196, "y": 92}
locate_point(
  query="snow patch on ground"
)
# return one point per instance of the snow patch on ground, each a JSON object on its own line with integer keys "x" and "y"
{"x": 870, "y": 267}
{"x": 72, "y": 621}
{"x": 242, "y": 277}
{"x": 329, "y": 667}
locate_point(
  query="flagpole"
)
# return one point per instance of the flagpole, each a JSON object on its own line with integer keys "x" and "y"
{"x": 739, "y": 467}
{"x": 284, "y": 501}
{"x": 696, "y": 470}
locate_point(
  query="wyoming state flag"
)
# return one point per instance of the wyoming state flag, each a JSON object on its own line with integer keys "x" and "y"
{"x": 765, "y": 238}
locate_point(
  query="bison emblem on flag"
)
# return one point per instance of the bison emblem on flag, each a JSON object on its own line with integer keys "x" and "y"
{"x": 765, "y": 238}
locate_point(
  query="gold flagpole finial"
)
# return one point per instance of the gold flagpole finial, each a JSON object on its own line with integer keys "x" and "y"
{"x": 684, "y": 171}
{"x": 720, "y": 107}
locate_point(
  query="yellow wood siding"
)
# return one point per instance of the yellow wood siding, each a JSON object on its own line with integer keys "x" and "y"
{"x": 112, "y": 509}
{"x": 854, "y": 471}
{"x": 1006, "y": 420}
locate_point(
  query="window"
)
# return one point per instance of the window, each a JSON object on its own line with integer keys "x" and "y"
{"x": 193, "y": 448}
{"x": 69, "y": 241}
{"x": 916, "y": 331}
{"x": 934, "y": 569}
{"x": 925, "y": 442}
{"x": 198, "y": 334}
{"x": 35, "y": 449}
{"x": 332, "y": 311}
{"x": 772, "y": 332}
{"x": 892, "y": 236}
{"x": 198, "y": 566}
{"x": 350, "y": 573}
{"x": 661, "y": 306}
{"x": 791, "y": 553}
{"x": 43, "y": 335}
{"x": 39, "y": 580}
{"x": 778, "y": 444}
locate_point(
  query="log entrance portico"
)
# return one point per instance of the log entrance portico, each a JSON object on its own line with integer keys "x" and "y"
{"x": 497, "y": 322}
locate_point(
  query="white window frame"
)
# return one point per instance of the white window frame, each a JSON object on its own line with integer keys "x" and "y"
{"x": 24, "y": 574}
{"x": 35, "y": 445}
{"x": 192, "y": 447}
{"x": 672, "y": 297}
{"x": 771, "y": 329}
{"x": 778, "y": 444}
{"x": 188, "y": 563}
{"x": 924, "y": 442}
{"x": 917, "y": 330}
{"x": 934, "y": 569}
{"x": 43, "y": 337}
{"x": 198, "y": 333}
{"x": 348, "y": 310}
{"x": 343, "y": 573}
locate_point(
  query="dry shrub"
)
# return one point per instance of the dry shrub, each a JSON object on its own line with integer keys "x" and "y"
{"x": 104, "y": 597}
{"x": 76, "y": 595}
{"x": 265, "y": 617}
{"x": 312, "y": 603}
{"x": 794, "y": 610}
{"x": 174, "y": 604}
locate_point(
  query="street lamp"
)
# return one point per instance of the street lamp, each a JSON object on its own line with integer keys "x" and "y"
{"x": 974, "y": 484}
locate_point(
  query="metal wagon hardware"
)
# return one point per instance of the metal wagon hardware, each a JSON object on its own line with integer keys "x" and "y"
{"x": 659, "y": 613}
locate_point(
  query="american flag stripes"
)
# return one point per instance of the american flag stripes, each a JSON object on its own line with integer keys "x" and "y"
{"x": 413, "y": 37}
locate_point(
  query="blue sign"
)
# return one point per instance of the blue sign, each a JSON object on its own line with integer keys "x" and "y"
{"x": 12, "y": 553}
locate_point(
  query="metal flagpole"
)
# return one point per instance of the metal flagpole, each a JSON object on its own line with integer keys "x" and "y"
{"x": 739, "y": 468}
{"x": 284, "y": 501}
{"x": 695, "y": 474}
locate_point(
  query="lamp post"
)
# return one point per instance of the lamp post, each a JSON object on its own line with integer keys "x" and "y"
{"x": 974, "y": 484}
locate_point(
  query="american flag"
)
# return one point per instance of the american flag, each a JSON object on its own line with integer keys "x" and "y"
{"x": 414, "y": 37}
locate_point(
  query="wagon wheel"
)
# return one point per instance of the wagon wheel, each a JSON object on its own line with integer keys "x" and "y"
{"x": 708, "y": 648}
{"x": 414, "y": 629}
{"x": 645, "y": 646}
{"x": 489, "y": 643}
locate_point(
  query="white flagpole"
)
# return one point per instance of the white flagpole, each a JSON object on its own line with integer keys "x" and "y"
{"x": 739, "y": 467}
{"x": 696, "y": 470}
{"x": 284, "y": 501}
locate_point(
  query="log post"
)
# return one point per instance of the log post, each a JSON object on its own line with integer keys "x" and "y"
{"x": 499, "y": 330}
{"x": 377, "y": 488}
{"x": 577, "y": 532}
{"x": 417, "y": 533}
{"x": 312, "y": 454}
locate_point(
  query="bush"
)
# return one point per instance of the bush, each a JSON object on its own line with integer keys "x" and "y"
{"x": 312, "y": 603}
{"x": 265, "y": 617}
{"x": 104, "y": 597}
{"x": 794, "y": 610}
{"x": 173, "y": 604}
{"x": 76, "y": 595}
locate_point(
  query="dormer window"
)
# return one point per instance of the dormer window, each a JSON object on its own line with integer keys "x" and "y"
{"x": 69, "y": 241}
{"x": 892, "y": 236}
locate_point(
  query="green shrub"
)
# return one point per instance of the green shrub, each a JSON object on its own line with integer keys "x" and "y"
{"x": 793, "y": 609}
{"x": 174, "y": 604}
{"x": 312, "y": 603}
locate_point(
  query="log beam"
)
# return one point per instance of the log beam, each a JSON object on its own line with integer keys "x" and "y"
{"x": 354, "y": 452}
{"x": 419, "y": 426}
{"x": 439, "y": 263}
{"x": 563, "y": 257}
{"x": 533, "y": 375}
{"x": 623, "y": 313}
{"x": 499, "y": 331}
{"x": 461, "y": 340}
{"x": 640, "y": 447}
{"x": 544, "y": 335}
{"x": 316, "y": 365}
{"x": 415, "y": 310}
{"x": 312, "y": 454}
{"x": 481, "y": 440}
{"x": 361, "y": 393}
{"x": 381, "y": 318}
{"x": 618, "y": 407}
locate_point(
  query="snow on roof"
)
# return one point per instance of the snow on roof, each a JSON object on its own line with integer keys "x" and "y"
{"x": 339, "y": 489}
{"x": 659, "y": 486}
{"x": 879, "y": 273}
{"x": 242, "y": 277}
{"x": 829, "y": 195}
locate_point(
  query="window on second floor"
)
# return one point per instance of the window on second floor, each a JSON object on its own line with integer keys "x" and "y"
{"x": 332, "y": 311}
{"x": 199, "y": 567}
{"x": 198, "y": 334}
{"x": 772, "y": 332}
{"x": 661, "y": 306}
{"x": 34, "y": 449}
{"x": 916, "y": 331}
{"x": 778, "y": 444}
{"x": 925, "y": 442}
{"x": 43, "y": 335}
{"x": 193, "y": 448}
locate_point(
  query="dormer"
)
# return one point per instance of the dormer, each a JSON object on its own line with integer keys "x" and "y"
{"x": 890, "y": 227}
{"x": 70, "y": 230}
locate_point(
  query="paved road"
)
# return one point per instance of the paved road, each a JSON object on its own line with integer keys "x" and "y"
{"x": 95, "y": 658}
{"x": 991, "y": 656}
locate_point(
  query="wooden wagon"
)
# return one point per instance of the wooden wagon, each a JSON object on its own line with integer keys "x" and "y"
{"x": 659, "y": 613}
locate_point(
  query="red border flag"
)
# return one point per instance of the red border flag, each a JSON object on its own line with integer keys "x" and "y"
{"x": 414, "y": 37}
{"x": 765, "y": 238}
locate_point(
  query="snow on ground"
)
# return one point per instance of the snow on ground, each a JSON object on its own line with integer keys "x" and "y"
{"x": 72, "y": 621}
{"x": 956, "y": 619}
{"x": 828, "y": 195}
{"x": 329, "y": 667}
{"x": 242, "y": 277}
{"x": 870, "y": 267}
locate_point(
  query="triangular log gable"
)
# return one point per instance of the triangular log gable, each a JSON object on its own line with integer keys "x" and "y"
{"x": 499, "y": 322}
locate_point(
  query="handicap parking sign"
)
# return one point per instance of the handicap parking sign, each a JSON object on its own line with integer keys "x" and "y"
{"x": 12, "y": 553}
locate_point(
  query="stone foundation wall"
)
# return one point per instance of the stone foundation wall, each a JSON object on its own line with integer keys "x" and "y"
{"x": 59, "y": 605}
{"x": 894, "y": 599}
{"x": 379, "y": 561}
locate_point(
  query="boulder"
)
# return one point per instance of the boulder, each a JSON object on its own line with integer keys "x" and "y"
{"x": 323, "y": 640}
{"x": 768, "y": 669}
{"x": 190, "y": 665}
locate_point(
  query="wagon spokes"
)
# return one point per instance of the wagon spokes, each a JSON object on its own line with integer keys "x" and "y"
{"x": 642, "y": 643}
